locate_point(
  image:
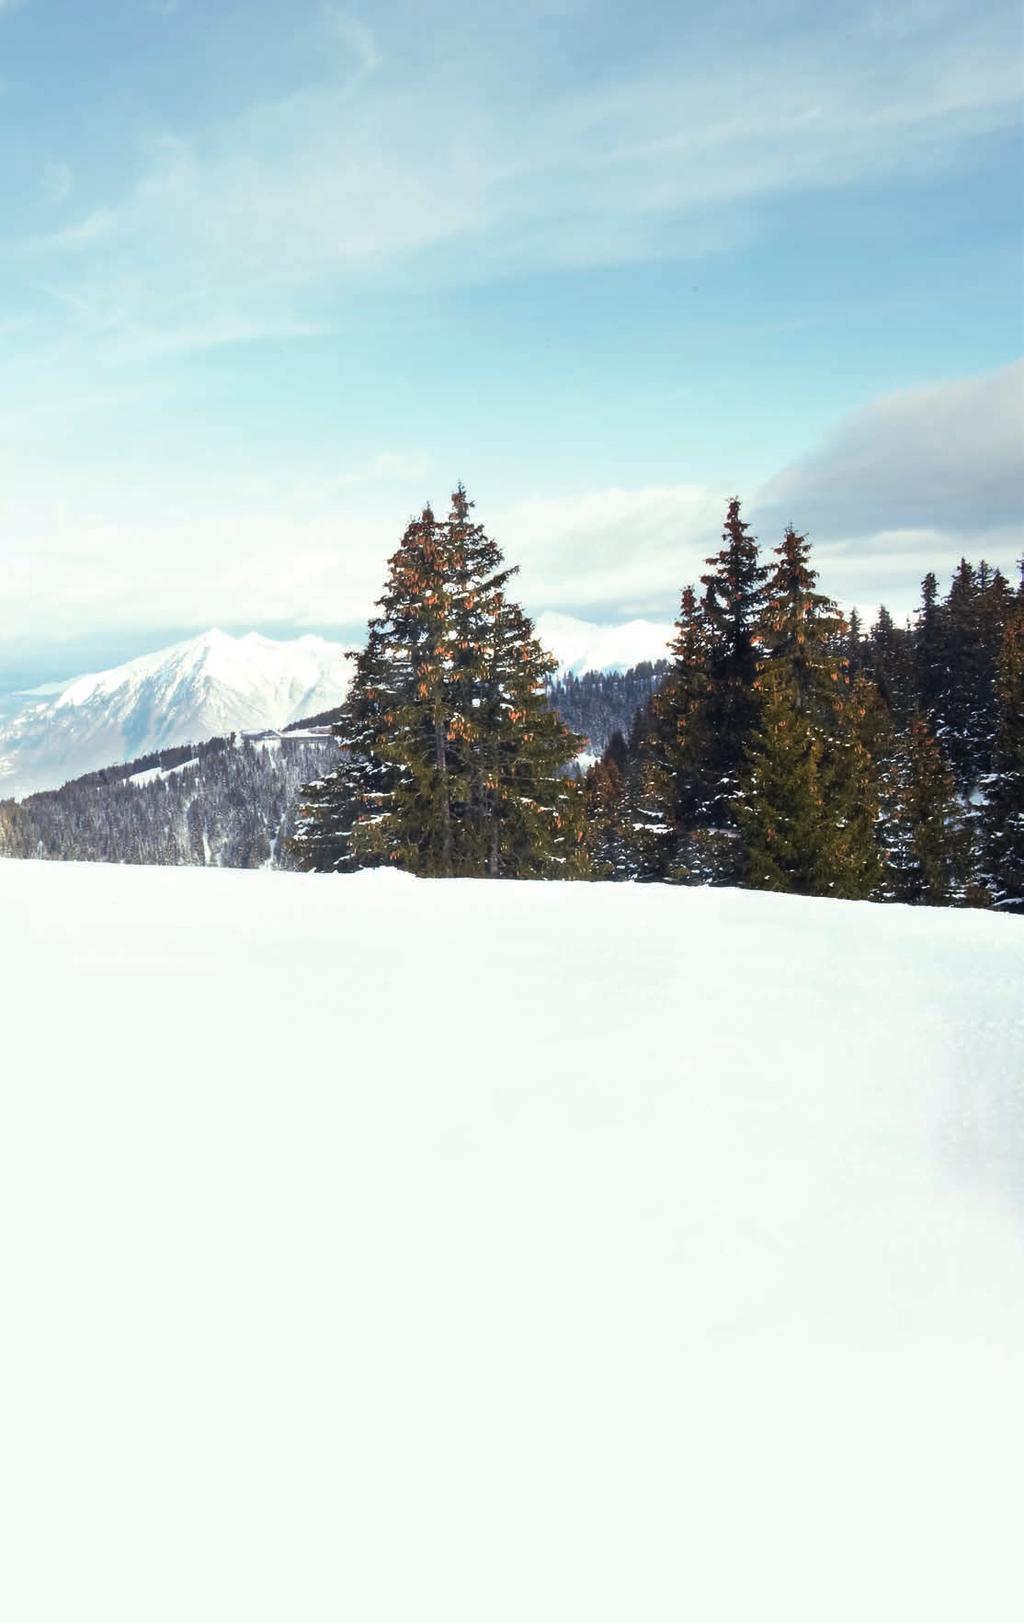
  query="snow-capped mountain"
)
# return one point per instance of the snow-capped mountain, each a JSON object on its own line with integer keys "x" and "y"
{"x": 217, "y": 684}
{"x": 581, "y": 646}
{"x": 211, "y": 685}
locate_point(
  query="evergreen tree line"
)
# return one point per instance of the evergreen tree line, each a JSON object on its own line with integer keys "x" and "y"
{"x": 789, "y": 750}
{"x": 784, "y": 748}
{"x": 233, "y": 802}
{"x": 224, "y": 803}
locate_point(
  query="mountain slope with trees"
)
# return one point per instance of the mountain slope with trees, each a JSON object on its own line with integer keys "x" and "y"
{"x": 230, "y": 802}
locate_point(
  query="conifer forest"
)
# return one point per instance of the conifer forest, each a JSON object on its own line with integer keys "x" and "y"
{"x": 785, "y": 747}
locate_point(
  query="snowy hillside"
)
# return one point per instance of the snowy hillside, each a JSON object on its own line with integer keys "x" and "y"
{"x": 212, "y": 685}
{"x": 391, "y": 1250}
{"x": 581, "y": 646}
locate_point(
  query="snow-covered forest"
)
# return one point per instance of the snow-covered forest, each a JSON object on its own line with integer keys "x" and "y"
{"x": 784, "y": 746}
{"x": 784, "y": 749}
{"x": 234, "y": 802}
{"x": 230, "y": 802}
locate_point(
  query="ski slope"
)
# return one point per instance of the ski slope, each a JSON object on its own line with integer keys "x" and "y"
{"x": 386, "y": 1250}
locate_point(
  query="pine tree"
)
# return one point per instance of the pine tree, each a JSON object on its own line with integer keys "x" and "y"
{"x": 686, "y": 779}
{"x": 969, "y": 699}
{"x": 856, "y": 657}
{"x": 891, "y": 663}
{"x": 348, "y": 818}
{"x": 529, "y": 811}
{"x": 801, "y": 632}
{"x": 931, "y": 652}
{"x": 733, "y": 600}
{"x": 782, "y": 813}
{"x": 1004, "y": 808}
{"x": 851, "y": 789}
{"x": 677, "y": 727}
{"x": 604, "y": 789}
{"x": 808, "y": 805}
{"x": 928, "y": 855}
{"x": 454, "y": 762}
{"x": 400, "y": 726}
{"x": 647, "y": 797}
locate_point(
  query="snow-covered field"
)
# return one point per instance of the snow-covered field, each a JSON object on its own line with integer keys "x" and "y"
{"x": 376, "y": 1249}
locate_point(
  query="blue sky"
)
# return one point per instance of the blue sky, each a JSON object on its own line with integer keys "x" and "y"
{"x": 272, "y": 274}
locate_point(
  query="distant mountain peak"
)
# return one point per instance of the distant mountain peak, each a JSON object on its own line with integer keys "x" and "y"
{"x": 216, "y": 683}
{"x": 581, "y": 645}
{"x": 211, "y": 684}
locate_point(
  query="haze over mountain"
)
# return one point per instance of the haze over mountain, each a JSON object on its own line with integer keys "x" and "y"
{"x": 211, "y": 685}
{"x": 580, "y": 646}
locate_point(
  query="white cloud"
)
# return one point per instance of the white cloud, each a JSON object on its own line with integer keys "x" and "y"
{"x": 357, "y": 38}
{"x": 614, "y": 553}
{"x": 453, "y": 167}
{"x": 309, "y": 554}
{"x": 949, "y": 454}
{"x": 902, "y": 486}
{"x": 908, "y": 483}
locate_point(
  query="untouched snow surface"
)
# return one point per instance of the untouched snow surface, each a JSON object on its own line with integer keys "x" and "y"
{"x": 377, "y": 1249}
{"x": 212, "y": 685}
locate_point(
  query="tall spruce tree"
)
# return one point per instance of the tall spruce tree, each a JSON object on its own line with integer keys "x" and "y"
{"x": 417, "y": 703}
{"x": 670, "y": 780}
{"x": 454, "y": 764}
{"x": 891, "y": 663}
{"x": 1004, "y": 806}
{"x": 801, "y": 632}
{"x": 852, "y": 793}
{"x": 604, "y": 789}
{"x": 734, "y": 596}
{"x": 968, "y": 702}
{"x": 782, "y": 812}
{"x": 855, "y": 652}
{"x": 340, "y": 811}
{"x": 927, "y": 849}
{"x": 930, "y": 652}
{"x": 700, "y": 722}
{"x": 529, "y": 810}
{"x": 807, "y": 807}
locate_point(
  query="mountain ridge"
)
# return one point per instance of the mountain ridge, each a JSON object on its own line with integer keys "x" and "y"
{"x": 210, "y": 685}
{"x": 217, "y": 683}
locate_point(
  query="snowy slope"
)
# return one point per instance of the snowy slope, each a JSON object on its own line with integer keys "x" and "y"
{"x": 388, "y": 1250}
{"x": 581, "y": 646}
{"x": 212, "y": 685}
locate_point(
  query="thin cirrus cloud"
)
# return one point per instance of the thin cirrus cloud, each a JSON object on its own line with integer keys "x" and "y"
{"x": 255, "y": 220}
